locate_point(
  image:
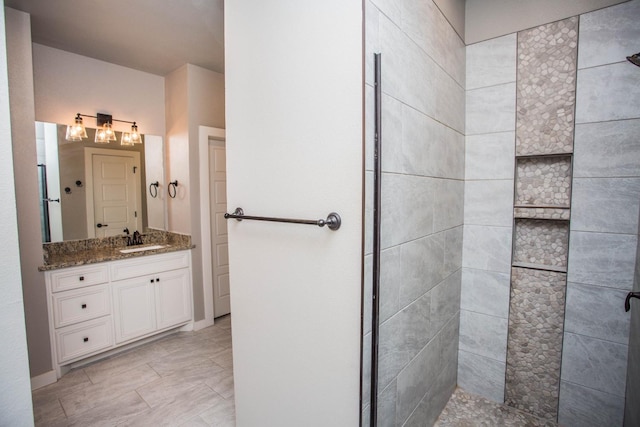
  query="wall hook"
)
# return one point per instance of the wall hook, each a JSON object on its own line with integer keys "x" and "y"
{"x": 174, "y": 185}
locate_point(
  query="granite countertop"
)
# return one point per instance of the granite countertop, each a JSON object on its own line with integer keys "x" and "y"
{"x": 89, "y": 251}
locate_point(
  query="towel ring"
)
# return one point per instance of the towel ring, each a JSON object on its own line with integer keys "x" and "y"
{"x": 174, "y": 185}
{"x": 153, "y": 189}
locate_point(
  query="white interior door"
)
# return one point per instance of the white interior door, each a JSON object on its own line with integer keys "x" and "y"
{"x": 294, "y": 141}
{"x": 219, "y": 238}
{"x": 115, "y": 186}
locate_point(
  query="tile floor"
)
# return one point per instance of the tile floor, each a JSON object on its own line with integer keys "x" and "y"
{"x": 184, "y": 379}
{"x": 468, "y": 410}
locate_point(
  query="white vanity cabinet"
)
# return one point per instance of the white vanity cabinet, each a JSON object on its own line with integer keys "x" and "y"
{"x": 155, "y": 300}
{"x": 98, "y": 307}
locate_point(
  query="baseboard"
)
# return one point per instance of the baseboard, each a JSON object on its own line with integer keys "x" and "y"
{"x": 43, "y": 380}
{"x": 201, "y": 324}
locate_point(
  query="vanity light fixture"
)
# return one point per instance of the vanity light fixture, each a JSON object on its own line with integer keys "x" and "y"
{"x": 104, "y": 132}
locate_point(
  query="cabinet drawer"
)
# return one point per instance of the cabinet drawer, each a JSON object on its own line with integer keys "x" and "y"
{"x": 150, "y": 264}
{"x": 82, "y": 304}
{"x": 84, "y": 338}
{"x": 72, "y": 278}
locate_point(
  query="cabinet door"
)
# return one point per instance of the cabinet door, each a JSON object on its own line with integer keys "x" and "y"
{"x": 173, "y": 298}
{"x": 134, "y": 308}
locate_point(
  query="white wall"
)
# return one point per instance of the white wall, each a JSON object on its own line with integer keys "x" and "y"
{"x": 486, "y": 19}
{"x": 66, "y": 84}
{"x": 295, "y": 148}
{"x": 18, "y": 33}
{"x": 15, "y": 393}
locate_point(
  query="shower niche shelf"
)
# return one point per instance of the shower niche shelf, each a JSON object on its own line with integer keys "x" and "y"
{"x": 543, "y": 182}
{"x": 541, "y": 244}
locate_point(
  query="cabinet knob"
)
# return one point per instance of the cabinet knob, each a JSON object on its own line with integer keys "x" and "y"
{"x": 152, "y": 280}
{"x": 85, "y": 339}
{"x": 158, "y": 279}
{"x": 84, "y": 306}
{"x": 81, "y": 278}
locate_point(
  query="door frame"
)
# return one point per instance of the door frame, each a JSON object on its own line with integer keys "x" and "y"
{"x": 205, "y": 133}
{"x": 88, "y": 179}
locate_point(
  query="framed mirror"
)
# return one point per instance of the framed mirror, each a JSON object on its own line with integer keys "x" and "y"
{"x": 98, "y": 190}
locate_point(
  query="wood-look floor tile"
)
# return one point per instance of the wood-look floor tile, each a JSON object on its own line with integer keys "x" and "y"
{"x": 190, "y": 355}
{"x": 222, "y": 383}
{"x": 221, "y": 413}
{"x": 196, "y": 421}
{"x": 168, "y": 387}
{"x": 116, "y": 411}
{"x": 179, "y": 410}
{"x": 104, "y": 392}
{"x": 224, "y": 358}
{"x": 104, "y": 369}
{"x": 223, "y": 322}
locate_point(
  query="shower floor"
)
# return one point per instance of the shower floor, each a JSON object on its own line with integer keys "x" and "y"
{"x": 468, "y": 410}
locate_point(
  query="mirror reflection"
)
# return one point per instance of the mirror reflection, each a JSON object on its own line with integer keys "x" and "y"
{"x": 97, "y": 190}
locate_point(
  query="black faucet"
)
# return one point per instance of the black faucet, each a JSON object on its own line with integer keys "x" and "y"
{"x": 129, "y": 241}
{"x": 137, "y": 238}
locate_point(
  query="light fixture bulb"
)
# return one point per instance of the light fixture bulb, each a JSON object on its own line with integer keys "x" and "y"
{"x": 101, "y": 136}
{"x": 126, "y": 139}
{"x": 136, "y": 138}
{"x": 76, "y": 131}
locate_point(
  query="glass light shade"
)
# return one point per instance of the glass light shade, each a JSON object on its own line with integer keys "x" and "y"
{"x": 136, "y": 138}
{"x": 76, "y": 131}
{"x": 126, "y": 139}
{"x": 105, "y": 134}
{"x": 101, "y": 136}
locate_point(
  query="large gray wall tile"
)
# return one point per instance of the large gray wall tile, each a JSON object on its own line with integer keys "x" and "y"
{"x": 609, "y": 92}
{"x": 607, "y": 205}
{"x": 445, "y": 301}
{"x": 434, "y": 401}
{"x": 607, "y": 149}
{"x": 402, "y": 337}
{"x": 367, "y": 292}
{"x": 452, "y": 250}
{"x": 448, "y": 204}
{"x": 602, "y": 259}
{"x": 368, "y": 213}
{"x": 596, "y": 312}
{"x": 487, "y": 248}
{"x": 483, "y": 335}
{"x": 387, "y": 406}
{"x": 391, "y": 277}
{"x": 427, "y": 147}
{"x": 488, "y": 202}
{"x": 450, "y": 100}
{"x": 490, "y": 156}
{"x": 481, "y": 375}
{"x": 594, "y": 363}
{"x": 430, "y": 30}
{"x": 585, "y": 407}
{"x": 491, "y": 109}
{"x": 393, "y": 124}
{"x": 407, "y": 211}
{"x": 609, "y": 35}
{"x": 485, "y": 292}
{"x": 366, "y": 369}
{"x": 492, "y": 62}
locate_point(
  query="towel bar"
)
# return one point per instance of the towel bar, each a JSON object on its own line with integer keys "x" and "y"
{"x": 333, "y": 220}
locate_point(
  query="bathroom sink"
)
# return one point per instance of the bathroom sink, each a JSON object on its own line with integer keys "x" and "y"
{"x": 142, "y": 248}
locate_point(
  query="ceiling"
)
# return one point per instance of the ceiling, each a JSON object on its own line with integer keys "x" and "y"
{"x": 155, "y": 36}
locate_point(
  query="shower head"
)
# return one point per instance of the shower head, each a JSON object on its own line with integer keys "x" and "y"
{"x": 634, "y": 59}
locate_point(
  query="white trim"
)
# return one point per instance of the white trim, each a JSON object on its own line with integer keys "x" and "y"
{"x": 204, "y": 134}
{"x": 42, "y": 380}
{"x": 201, "y": 324}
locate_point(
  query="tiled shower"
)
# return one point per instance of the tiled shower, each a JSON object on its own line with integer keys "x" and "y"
{"x": 511, "y": 198}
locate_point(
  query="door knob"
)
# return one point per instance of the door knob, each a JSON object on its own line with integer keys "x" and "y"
{"x": 101, "y": 225}
{"x": 627, "y": 300}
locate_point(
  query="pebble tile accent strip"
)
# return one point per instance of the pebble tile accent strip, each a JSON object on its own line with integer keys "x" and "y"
{"x": 534, "y": 346}
{"x": 545, "y": 94}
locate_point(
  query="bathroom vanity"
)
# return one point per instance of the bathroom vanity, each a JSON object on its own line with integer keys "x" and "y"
{"x": 110, "y": 298}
